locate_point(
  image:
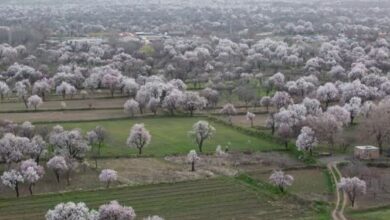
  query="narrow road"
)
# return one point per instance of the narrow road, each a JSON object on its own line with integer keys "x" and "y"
{"x": 338, "y": 211}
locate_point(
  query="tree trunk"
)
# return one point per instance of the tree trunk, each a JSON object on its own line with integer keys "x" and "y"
{"x": 193, "y": 166}
{"x": 379, "y": 141}
{"x": 251, "y": 123}
{"x": 17, "y": 189}
{"x": 30, "y": 188}
{"x": 286, "y": 144}
{"x": 25, "y": 102}
{"x": 200, "y": 146}
{"x": 57, "y": 176}
{"x": 140, "y": 150}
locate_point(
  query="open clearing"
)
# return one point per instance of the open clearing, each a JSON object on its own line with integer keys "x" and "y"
{"x": 240, "y": 120}
{"x": 64, "y": 115}
{"x": 308, "y": 183}
{"x": 141, "y": 171}
{"x": 220, "y": 198}
{"x": 70, "y": 104}
{"x": 170, "y": 136}
{"x": 131, "y": 171}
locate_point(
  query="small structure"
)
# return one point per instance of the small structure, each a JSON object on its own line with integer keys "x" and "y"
{"x": 366, "y": 152}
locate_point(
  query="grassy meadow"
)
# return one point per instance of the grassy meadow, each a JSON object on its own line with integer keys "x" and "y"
{"x": 170, "y": 136}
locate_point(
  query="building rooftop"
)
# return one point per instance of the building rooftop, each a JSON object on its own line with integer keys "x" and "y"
{"x": 368, "y": 147}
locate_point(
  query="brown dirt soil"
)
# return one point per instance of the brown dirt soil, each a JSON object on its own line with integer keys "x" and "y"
{"x": 139, "y": 171}
{"x": 152, "y": 170}
{"x": 240, "y": 120}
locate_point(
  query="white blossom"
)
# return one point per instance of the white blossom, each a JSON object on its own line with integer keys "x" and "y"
{"x": 131, "y": 107}
{"x": 281, "y": 180}
{"x": 115, "y": 211}
{"x": 139, "y": 137}
{"x": 306, "y": 140}
{"x": 353, "y": 187}
{"x": 108, "y": 176}
{"x": 34, "y": 101}
{"x": 69, "y": 211}
{"x": 201, "y": 131}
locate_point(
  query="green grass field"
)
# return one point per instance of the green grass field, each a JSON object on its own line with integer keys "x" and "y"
{"x": 315, "y": 189}
{"x": 381, "y": 214}
{"x": 221, "y": 198}
{"x": 170, "y": 136}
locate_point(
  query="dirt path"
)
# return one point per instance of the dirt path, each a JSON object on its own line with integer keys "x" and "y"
{"x": 338, "y": 211}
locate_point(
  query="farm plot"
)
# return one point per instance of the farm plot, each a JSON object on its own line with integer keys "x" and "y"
{"x": 70, "y": 104}
{"x": 378, "y": 186}
{"x": 158, "y": 170}
{"x": 63, "y": 115}
{"x": 81, "y": 179}
{"x": 141, "y": 171}
{"x": 240, "y": 120}
{"x": 170, "y": 136}
{"x": 221, "y": 198}
{"x": 131, "y": 171}
{"x": 308, "y": 183}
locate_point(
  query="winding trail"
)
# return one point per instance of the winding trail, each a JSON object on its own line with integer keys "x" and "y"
{"x": 341, "y": 201}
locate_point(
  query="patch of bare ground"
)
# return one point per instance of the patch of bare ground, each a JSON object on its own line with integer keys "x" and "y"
{"x": 240, "y": 120}
{"x": 141, "y": 171}
{"x": 63, "y": 115}
{"x": 153, "y": 170}
{"x": 235, "y": 162}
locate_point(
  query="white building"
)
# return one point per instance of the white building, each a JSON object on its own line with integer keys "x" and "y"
{"x": 366, "y": 152}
